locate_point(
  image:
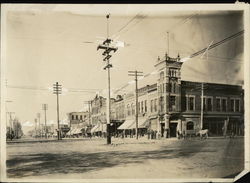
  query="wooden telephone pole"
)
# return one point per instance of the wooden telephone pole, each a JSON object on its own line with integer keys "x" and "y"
{"x": 39, "y": 125}
{"x": 136, "y": 74}
{"x": 45, "y": 107}
{"x": 89, "y": 114}
{"x": 107, "y": 47}
{"x": 202, "y": 104}
{"x": 57, "y": 90}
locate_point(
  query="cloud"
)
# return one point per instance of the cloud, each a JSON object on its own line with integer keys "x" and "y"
{"x": 27, "y": 123}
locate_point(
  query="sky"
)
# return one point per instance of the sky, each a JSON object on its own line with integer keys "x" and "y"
{"x": 44, "y": 44}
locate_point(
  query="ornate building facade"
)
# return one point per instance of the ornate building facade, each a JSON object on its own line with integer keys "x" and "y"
{"x": 172, "y": 104}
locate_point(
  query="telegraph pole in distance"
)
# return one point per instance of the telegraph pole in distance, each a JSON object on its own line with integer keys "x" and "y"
{"x": 202, "y": 104}
{"x": 45, "y": 107}
{"x": 57, "y": 90}
{"x": 39, "y": 127}
{"x": 136, "y": 74}
{"x": 35, "y": 127}
{"x": 106, "y": 45}
{"x": 89, "y": 103}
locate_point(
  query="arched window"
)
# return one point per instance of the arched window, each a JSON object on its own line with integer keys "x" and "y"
{"x": 128, "y": 110}
{"x": 133, "y": 109}
{"x": 162, "y": 75}
{"x": 174, "y": 86}
{"x": 190, "y": 125}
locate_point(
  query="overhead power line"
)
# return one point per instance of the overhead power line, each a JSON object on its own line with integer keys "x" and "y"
{"x": 218, "y": 43}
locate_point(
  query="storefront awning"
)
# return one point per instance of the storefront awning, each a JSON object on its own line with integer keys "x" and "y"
{"x": 78, "y": 131}
{"x": 94, "y": 128}
{"x": 126, "y": 124}
{"x": 142, "y": 123}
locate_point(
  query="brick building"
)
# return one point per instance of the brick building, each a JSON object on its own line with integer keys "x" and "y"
{"x": 78, "y": 122}
{"x": 172, "y": 105}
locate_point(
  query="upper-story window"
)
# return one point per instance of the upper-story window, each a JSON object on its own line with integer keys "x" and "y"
{"x": 151, "y": 105}
{"x": 190, "y": 101}
{"x": 232, "y": 109}
{"x": 142, "y": 107}
{"x": 155, "y": 105}
{"x": 161, "y": 75}
{"x": 235, "y": 105}
{"x": 80, "y": 117}
{"x": 72, "y": 117}
{"x": 218, "y": 104}
{"x": 161, "y": 101}
{"x": 139, "y": 107}
{"x": 76, "y": 117}
{"x": 224, "y": 104}
{"x": 174, "y": 87}
{"x": 145, "y": 103}
{"x": 172, "y": 103}
{"x": 207, "y": 103}
{"x": 221, "y": 104}
{"x": 173, "y": 73}
{"x": 133, "y": 109}
{"x": 128, "y": 110}
{"x": 170, "y": 86}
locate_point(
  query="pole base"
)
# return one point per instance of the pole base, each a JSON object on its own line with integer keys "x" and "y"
{"x": 108, "y": 134}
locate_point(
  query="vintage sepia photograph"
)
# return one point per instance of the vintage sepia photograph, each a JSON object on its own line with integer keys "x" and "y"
{"x": 124, "y": 92}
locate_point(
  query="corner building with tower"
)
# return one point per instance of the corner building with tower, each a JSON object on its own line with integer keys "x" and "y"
{"x": 172, "y": 105}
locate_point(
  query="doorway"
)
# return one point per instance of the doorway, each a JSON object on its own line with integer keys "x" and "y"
{"x": 173, "y": 127}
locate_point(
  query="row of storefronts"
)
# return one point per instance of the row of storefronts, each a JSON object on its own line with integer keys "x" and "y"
{"x": 172, "y": 106}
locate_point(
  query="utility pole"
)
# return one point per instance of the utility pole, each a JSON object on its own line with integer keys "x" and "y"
{"x": 45, "y": 107}
{"x": 168, "y": 42}
{"x": 35, "y": 127}
{"x": 89, "y": 115}
{"x": 202, "y": 104}
{"x": 136, "y": 74}
{"x": 39, "y": 127}
{"x": 57, "y": 90}
{"x": 106, "y": 45}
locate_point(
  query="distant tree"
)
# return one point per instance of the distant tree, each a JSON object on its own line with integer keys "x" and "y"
{"x": 17, "y": 128}
{"x": 9, "y": 133}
